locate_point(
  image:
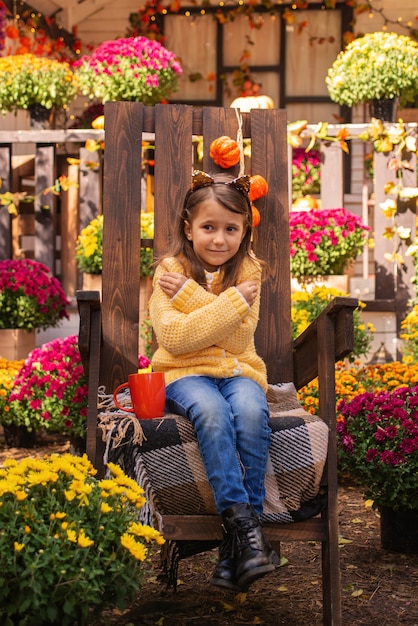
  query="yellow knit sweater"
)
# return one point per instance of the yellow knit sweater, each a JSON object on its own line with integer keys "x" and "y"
{"x": 204, "y": 333}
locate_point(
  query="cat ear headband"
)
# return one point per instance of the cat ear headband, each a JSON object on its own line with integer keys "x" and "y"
{"x": 201, "y": 179}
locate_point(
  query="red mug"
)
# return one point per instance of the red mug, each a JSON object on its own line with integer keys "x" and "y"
{"x": 147, "y": 395}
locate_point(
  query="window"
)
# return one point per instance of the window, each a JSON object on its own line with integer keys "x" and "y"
{"x": 289, "y": 62}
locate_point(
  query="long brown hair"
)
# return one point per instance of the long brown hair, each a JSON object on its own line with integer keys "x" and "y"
{"x": 233, "y": 200}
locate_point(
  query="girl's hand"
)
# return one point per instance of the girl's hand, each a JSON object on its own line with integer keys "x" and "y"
{"x": 171, "y": 283}
{"x": 248, "y": 289}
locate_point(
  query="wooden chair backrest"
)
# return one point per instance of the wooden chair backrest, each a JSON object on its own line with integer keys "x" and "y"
{"x": 175, "y": 126}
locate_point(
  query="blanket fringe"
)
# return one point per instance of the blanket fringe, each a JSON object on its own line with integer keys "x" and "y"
{"x": 115, "y": 423}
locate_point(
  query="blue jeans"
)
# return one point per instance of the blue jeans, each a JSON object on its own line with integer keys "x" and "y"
{"x": 230, "y": 418}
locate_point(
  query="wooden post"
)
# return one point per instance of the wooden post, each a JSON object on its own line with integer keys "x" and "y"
{"x": 90, "y": 185}
{"x": 393, "y": 280}
{"x": 384, "y": 270}
{"x": 69, "y": 230}
{"x": 5, "y": 219}
{"x": 332, "y": 179}
{"x": 45, "y": 174}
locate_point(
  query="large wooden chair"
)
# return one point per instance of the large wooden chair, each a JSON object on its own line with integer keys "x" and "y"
{"x": 109, "y": 329}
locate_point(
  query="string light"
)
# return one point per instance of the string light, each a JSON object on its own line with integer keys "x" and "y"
{"x": 386, "y": 20}
{"x": 35, "y": 21}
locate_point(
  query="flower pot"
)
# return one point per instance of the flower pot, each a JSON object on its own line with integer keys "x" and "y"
{"x": 92, "y": 282}
{"x": 336, "y": 281}
{"x": 16, "y": 343}
{"x": 408, "y": 115}
{"x": 77, "y": 445}
{"x": 399, "y": 530}
{"x": 384, "y": 109}
{"x": 40, "y": 117}
{"x": 19, "y": 436}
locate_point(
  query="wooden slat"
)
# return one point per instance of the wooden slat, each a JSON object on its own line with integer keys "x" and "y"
{"x": 331, "y": 584}
{"x": 306, "y": 345}
{"x": 89, "y": 344}
{"x": 209, "y": 527}
{"x": 45, "y": 175}
{"x": 5, "y": 219}
{"x": 217, "y": 122}
{"x": 79, "y": 135}
{"x": 121, "y": 242}
{"x": 269, "y": 158}
{"x": 332, "y": 176}
{"x": 173, "y": 169}
{"x": 69, "y": 229}
{"x": 90, "y": 185}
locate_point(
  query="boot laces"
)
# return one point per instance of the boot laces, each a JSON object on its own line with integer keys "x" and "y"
{"x": 245, "y": 533}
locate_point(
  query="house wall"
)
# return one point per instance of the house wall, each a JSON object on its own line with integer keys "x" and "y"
{"x": 113, "y": 19}
{"x": 392, "y": 10}
{"x": 110, "y": 22}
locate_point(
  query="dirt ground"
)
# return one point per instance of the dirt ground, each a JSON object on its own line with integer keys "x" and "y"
{"x": 378, "y": 587}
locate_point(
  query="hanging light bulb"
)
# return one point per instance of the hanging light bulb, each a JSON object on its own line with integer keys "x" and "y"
{"x": 382, "y": 355}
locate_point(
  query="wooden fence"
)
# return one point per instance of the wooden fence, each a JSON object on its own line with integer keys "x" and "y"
{"x": 52, "y": 224}
{"x": 47, "y": 230}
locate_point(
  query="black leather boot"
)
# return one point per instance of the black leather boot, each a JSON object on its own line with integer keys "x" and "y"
{"x": 252, "y": 554}
{"x": 224, "y": 572}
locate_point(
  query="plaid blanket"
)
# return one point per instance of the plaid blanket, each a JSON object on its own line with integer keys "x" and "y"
{"x": 162, "y": 455}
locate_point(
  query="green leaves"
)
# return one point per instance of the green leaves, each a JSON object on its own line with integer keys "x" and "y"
{"x": 28, "y": 79}
{"x": 377, "y": 65}
{"x": 53, "y": 577}
{"x": 30, "y": 297}
{"x": 378, "y": 437}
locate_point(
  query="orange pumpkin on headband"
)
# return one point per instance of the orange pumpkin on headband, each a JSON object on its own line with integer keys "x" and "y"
{"x": 256, "y": 216}
{"x": 258, "y": 187}
{"x": 225, "y": 151}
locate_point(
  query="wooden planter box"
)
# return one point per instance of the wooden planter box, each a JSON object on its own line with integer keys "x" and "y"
{"x": 16, "y": 343}
{"x": 408, "y": 115}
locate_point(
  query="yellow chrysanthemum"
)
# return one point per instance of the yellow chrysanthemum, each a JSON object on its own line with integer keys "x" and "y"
{"x": 83, "y": 541}
{"x": 105, "y": 508}
{"x": 147, "y": 532}
{"x": 136, "y": 548}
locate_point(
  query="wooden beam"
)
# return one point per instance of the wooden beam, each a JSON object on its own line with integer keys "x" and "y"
{"x": 73, "y": 15}
{"x": 53, "y": 30}
{"x": 208, "y": 527}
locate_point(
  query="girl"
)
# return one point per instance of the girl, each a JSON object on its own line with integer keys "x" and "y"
{"x": 204, "y": 311}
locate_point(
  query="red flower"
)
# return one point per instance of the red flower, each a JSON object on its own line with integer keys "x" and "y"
{"x": 50, "y": 390}
{"x": 378, "y": 445}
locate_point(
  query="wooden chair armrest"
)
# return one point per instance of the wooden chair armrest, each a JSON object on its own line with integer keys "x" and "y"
{"x": 87, "y": 302}
{"x": 89, "y": 343}
{"x": 328, "y": 339}
{"x": 306, "y": 346}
